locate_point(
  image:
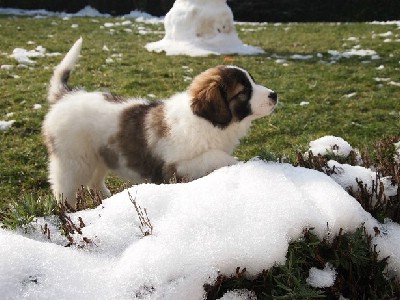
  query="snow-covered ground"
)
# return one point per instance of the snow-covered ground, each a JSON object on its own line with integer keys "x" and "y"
{"x": 244, "y": 215}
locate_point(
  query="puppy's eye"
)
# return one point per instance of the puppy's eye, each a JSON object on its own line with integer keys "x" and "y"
{"x": 242, "y": 96}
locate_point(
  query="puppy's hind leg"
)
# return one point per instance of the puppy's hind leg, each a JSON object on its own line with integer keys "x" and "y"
{"x": 97, "y": 183}
{"x": 66, "y": 177}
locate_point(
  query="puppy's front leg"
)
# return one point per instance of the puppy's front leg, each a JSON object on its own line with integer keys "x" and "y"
{"x": 204, "y": 164}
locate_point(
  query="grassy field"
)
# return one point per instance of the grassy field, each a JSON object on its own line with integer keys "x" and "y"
{"x": 356, "y": 98}
{"x": 345, "y": 98}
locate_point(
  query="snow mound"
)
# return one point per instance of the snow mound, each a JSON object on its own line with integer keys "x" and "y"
{"x": 6, "y": 67}
{"x": 397, "y": 154}
{"x": 336, "y": 55}
{"x": 239, "y": 295}
{"x": 200, "y": 28}
{"x": 89, "y": 11}
{"x": 24, "y": 56}
{"x": 347, "y": 175}
{"x": 389, "y": 245}
{"x": 330, "y": 145}
{"x": 5, "y": 125}
{"x": 144, "y": 17}
{"x": 27, "y": 12}
{"x": 244, "y": 215}
{"x": 322, "y": 278}
{"x": 386, "y": 23}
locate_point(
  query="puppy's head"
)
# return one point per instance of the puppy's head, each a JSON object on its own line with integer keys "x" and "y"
{"x": 226, "y": 94}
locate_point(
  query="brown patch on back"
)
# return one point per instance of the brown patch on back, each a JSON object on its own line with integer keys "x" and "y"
{"x": 133, "y": 145}
{"x": 157, "y": 123}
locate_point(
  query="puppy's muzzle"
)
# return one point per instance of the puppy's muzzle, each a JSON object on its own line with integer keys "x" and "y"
{"x": 273, "y": 96}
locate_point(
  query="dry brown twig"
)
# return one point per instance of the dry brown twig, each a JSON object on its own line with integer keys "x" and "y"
{"x": 69, "y": 228}
{"x": 45, "y": 230}
{"x": 145, "y": 225}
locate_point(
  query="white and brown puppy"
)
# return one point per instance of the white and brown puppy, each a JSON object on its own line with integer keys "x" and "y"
{"x": 187, "y": 136}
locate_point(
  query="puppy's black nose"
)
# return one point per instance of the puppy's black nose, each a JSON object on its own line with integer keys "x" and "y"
{"x": 273, "y": 96}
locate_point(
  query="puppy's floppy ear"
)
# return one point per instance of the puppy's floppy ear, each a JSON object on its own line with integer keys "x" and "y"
{"x": 209, "y": 97}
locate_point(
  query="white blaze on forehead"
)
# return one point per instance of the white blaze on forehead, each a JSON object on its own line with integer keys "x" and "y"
{"x": 249, "y": 77}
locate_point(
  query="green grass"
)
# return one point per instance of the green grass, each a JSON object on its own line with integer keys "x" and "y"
{"x": 372, "y": 113}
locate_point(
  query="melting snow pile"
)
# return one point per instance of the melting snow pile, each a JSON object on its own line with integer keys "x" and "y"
{"x": 348, "y": 175}
{"x": 5, "y": 125}
{"x": 330, "y": 145}
{"x": 336, "y": 55}
{"x": 23, "y": 56}
{"x": 200, "y": 28}
{"x": 87, "y": 11}
{"x": 397, "y": 147}
{"x": 239, "y": 295}
{"x": 244, "y": 215}
{"x": 322, "y": 278}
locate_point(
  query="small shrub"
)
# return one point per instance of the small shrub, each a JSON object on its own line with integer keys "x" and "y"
{"x": 360, "y": 273}
{"x": 382, "y": 159}
{"x": 87, "y": 199}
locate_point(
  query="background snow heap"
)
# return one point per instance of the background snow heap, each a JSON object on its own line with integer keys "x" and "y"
{"x": 200, "y": 28}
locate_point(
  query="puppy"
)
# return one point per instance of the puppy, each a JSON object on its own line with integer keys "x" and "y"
{"x": 187, "y": 136}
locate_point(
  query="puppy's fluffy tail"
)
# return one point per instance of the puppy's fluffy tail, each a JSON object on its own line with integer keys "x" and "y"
{"x": 58, "y": 83}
